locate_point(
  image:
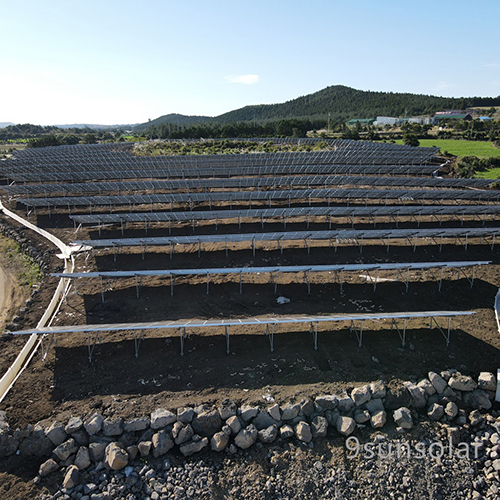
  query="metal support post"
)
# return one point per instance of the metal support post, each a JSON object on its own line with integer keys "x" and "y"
{"x": 138, "y": 337}
{"x": 45, "y": 351}
{"x": 270, "y": 334}
{"x": 102, "y": 290}
{"x": 91, "y": 343}
{"x": 314, "y": 330}
{"x": 226, "y": 332}
{"x": 183, "y": 336}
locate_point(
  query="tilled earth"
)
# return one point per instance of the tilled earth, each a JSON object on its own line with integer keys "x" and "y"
{"x": 118, "y": 382}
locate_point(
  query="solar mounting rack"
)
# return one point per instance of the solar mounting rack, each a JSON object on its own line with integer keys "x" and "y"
{"x": 109, "y": 161}
{"x": 345, "y": 152}
{"x": 283, "y": 213}
{"x": 242, "y": 183}
{"x": 341, "y": 151}
{"x": 21, "y": 174}
{"x": 346, "y": 195}
{"x": 275, "y": 271}
{"x": 268, "y": 322}
{"x": 339, "y": 236}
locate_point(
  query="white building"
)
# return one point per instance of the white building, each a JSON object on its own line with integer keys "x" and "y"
{"x": 387, "y": 120}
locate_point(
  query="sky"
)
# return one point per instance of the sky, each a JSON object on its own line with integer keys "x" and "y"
{"x": 123, "y": 62}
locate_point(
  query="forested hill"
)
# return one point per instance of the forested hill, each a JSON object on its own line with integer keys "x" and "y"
{"x": 174, "y": 119}
{"x": 343, "y": 103}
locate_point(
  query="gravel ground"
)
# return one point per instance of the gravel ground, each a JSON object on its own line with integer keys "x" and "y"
{"x": 323, "y": 470}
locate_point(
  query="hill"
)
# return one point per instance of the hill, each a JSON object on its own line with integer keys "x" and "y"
{"x": 94, "y": 126}
{"x": 173, "y": 119}
{"x": 341, "y": 102}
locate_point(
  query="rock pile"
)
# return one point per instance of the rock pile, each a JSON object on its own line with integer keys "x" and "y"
{"x": 94, "y": 442}
{"x": 17, "y": 235}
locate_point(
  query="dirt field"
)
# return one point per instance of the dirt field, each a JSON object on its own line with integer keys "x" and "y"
{"x": 118, "y": 381}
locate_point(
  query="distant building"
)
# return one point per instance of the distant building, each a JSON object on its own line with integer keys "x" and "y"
{"x": 422, "y": 120}
{"x": 466, "y": 117}
{"x": 485, "y": 118}
{"x": 361, "y": 121}
{"x": 450, "y": 112}
{"x": 387, "y": 120}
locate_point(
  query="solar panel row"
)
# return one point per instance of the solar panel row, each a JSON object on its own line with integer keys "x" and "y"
{"x": 103, "y": 156}
{"x": 241, "y": 183}
{"x": 25, "y": 175}
{"x": 277, "y": 269}
{"x": 214, "y": 215}
{"x": 337, "y": 235}
{"x": 345, "y": 195}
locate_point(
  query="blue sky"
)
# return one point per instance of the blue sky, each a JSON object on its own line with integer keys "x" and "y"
{"x": 114, "y": 62}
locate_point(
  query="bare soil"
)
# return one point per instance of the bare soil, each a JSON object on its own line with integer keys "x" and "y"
{"x": 118, "y": 382}
{"x": 67, "y": 381}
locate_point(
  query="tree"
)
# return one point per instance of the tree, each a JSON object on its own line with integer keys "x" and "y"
{"x": 44, "y": 141}
{"x": 468, "y": 166}
{"x": 491, "y": 111}
{"x": 410, "y": 139}
{"x": 89, "y": 139}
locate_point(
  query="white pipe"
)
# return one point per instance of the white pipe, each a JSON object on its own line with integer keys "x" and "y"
{"x": 33, "y": 343}
{"x": 497, "y": 307}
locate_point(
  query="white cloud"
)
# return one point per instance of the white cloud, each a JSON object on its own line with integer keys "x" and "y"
{"x": 492, "y": 65}
{"x": 444, "y": 85}
{"x": 246, "y": 79}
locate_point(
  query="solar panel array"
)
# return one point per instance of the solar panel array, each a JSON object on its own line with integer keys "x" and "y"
{"x": 344, "y": 195}
{"x": 110, "y": 156}
{"x": 243, "y": 183}
{"x": 119, "y": 177}
{"x": 180, "y": 324}
{"x": 19, "y": 175}
{"x": 337, "y": 235}
{"x": 356, "y": 211}
{"x": 412, "y": 266}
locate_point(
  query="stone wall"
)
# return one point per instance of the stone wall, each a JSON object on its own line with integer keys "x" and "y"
{"x": 41, "y": 258}
{"x": 113, "y": 443}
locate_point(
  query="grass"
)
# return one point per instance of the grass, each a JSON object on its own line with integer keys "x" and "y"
{"x": 493, "y": 173}
{"x": 28, "y": 271}
{"x": 462, "y": 147}
{"x": 221, "y": 147}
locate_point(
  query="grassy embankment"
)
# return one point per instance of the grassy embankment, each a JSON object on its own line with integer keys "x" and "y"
{"x": 460, "y": 148}
{"x": 20, "y": 274}
{"x": 17, "y": 263}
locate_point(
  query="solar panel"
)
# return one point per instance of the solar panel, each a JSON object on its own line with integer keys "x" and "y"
{"x": 242, "y": 183}
{"x": 338, "y": 235}
{"x": 119, "y": 157}
{"x": 25, "y": 174}
{"x": 193, "y": 323}
{"x": 274, "y": 269}
{"x": 345, "y": 195}
{"x": 355, "y": 211}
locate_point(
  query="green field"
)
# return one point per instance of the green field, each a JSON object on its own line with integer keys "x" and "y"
{"x": 492, "y": 173}
{"x": 481, "y": 149}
